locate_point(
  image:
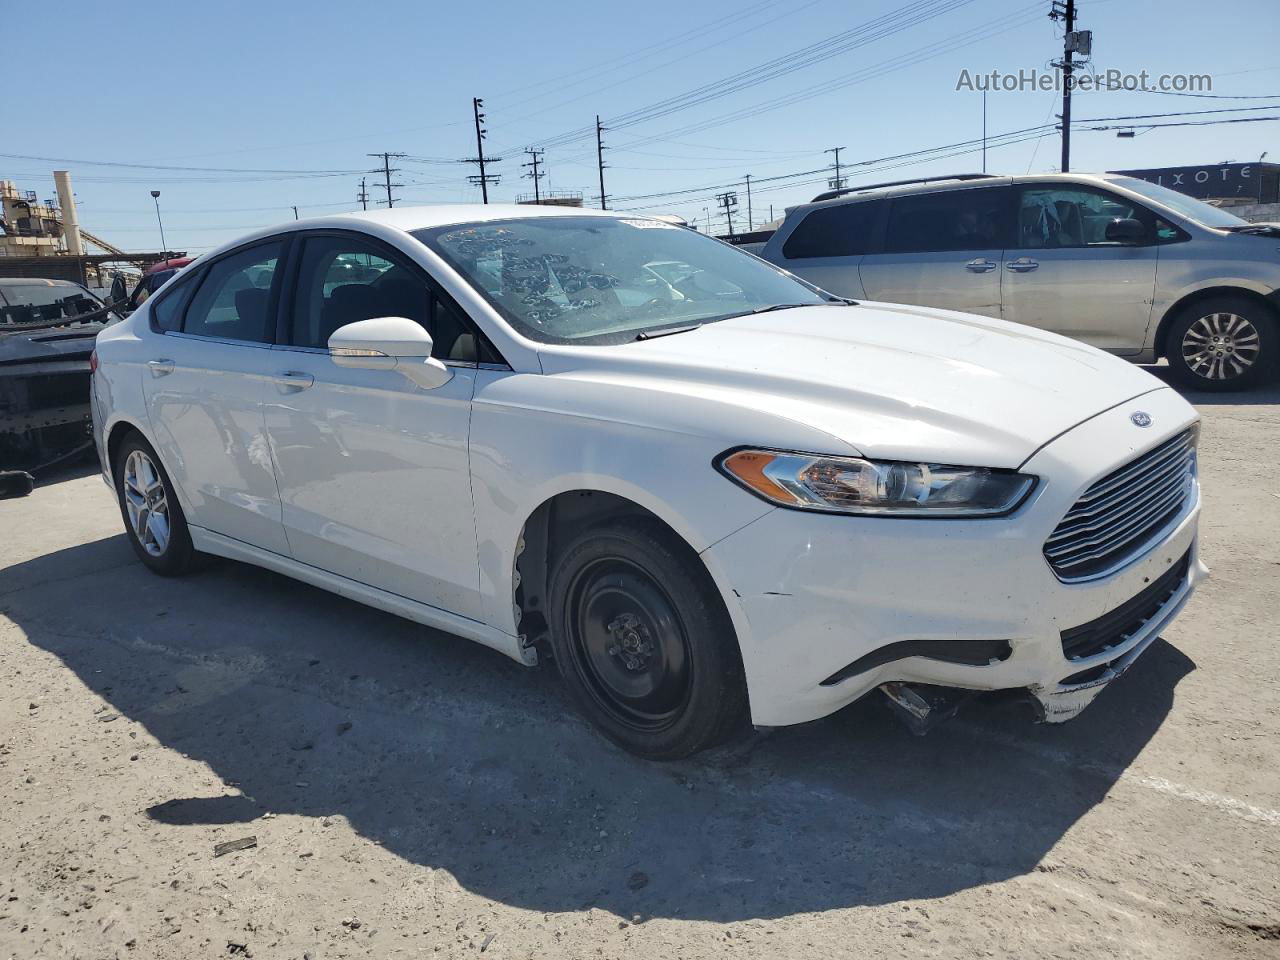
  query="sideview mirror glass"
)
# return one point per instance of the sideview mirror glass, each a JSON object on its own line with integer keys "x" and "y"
{"x": 1126, "y": 230}
{"x": 389, "y": 343}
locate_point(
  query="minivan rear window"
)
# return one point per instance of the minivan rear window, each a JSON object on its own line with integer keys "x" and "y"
{"x": 843, "y": 230}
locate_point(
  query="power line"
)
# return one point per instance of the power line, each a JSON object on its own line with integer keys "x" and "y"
{"x": 153, "y": 166}
{"x": 900, "y": 19}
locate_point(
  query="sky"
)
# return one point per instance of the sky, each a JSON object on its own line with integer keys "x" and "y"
{"x": 285, "y": 100}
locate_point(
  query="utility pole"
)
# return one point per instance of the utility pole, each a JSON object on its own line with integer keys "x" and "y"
{"x": 600, "y": 159}
{"x": 295, "y": 211}
{"x": 750, "y": 220}
{"x": 837, "y": 183}
{"x": 363, "y": 196}
{"x": 535, "y": 157}
{"x": 984, "y": 131}
{"x": 730, "y": 202}
{"x": 387, "y": 171}
{"x": 1073, "y": 42}
{"x": 484, "y": 179}
{"x": 706, "y": 215}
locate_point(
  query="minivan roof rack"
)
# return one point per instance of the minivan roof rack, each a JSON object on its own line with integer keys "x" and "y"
{"x": 832, "y": 194}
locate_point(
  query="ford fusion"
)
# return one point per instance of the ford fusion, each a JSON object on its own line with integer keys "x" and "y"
{"x": 711, "y": 493}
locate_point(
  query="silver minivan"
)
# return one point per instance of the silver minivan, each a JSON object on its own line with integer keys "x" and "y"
{"x": 1131, "y": 267}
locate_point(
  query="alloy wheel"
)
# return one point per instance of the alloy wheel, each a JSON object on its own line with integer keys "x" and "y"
{"x": 147, "y": 503}
{"x": 1221, "y": 346}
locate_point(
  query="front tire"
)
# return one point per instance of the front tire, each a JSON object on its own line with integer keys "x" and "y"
{"x": 1224, "y": 343}
{"x": 643, "y": 642}
{"x": 153, "y": 520}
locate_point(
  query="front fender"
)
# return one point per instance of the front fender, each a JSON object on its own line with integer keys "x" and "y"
{"x": 523, "y": 455}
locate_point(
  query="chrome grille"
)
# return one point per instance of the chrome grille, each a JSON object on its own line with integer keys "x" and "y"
{"x": 1117, "y": 518}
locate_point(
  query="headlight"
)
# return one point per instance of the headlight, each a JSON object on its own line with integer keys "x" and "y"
{"x": 877, "y": 487}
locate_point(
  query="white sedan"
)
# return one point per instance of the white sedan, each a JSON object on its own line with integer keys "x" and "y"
{"x": 712, "y": 493}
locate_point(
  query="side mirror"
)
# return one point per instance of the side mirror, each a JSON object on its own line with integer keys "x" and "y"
{"x": 389, "y": 343}
{"x": 1126, "y": 230}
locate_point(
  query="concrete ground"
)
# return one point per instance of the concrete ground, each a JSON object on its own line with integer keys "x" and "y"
{"x": 411, "y": 794}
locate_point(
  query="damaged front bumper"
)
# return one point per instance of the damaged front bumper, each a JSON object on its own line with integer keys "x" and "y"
{"x": 828, "y": 609}
{"x": 44, "y": 396}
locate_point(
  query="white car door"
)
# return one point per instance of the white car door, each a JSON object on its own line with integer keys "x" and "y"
{"x": 373, "y": 470}
{"x": 205, "y": 385}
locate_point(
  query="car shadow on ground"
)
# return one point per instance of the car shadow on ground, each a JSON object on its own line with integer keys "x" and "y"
{"x": 1266, "y": 394}
{"x": 453, "y": 757}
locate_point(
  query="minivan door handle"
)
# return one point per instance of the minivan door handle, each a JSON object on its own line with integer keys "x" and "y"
{"x": 1022, "y": 265}
{"x": 291, "y": 381}
{"x": 980, "y": 265}
{"x": 160, "y": 368}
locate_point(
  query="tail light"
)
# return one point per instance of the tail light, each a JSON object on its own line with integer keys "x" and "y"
{"x": 93, "y": 362}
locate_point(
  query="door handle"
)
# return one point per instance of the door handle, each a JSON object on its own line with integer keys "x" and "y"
{"x": 980, "y": 265}
{"x": 1022, "y": 265}
{"x": 160, "y": 368}
{"x": 291, "y": 381}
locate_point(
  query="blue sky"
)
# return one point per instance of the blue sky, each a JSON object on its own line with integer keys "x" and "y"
{"x": 316, "y": 86}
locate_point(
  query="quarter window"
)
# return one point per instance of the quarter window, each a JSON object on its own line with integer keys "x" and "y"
{"x": 234, "y": 299}
{"x": 166, "y": 312}
{"x": 843, "y": 230}
{"x": 956, "y": 220}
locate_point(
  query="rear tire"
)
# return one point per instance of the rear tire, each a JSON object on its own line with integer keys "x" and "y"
{"x": 153, "y": 520}
{"x": 1223, "y": 343}
{"x": 643, "y": 642}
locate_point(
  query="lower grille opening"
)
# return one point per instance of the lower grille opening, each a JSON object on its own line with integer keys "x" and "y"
{"x": 973, "y": 653}
{"x": 1116, "y": 626}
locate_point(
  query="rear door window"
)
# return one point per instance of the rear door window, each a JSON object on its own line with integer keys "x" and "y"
{"x": 972, "y": 219}
{"x": 235, "y": 300}
{"x": 842, "y": 230}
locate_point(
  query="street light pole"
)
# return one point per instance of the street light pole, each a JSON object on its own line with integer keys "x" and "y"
{"x": 155, "y": 195}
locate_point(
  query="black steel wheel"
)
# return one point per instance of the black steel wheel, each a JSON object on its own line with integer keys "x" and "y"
{"x": 643, "y": 641}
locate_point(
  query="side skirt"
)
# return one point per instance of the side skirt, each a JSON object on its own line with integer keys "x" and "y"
{"x": 207, "y": 541}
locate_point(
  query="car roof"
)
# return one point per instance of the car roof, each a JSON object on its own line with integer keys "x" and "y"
{"x": 409, "y": 218}
{"x": 28, "y": 281}
{"x": 948, "y": 184}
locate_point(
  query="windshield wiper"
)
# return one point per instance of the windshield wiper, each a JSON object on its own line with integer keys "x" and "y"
{"x": 780, "y": 306}
{"x": 652, "y": 334}
{"x": 1258, "y": 228}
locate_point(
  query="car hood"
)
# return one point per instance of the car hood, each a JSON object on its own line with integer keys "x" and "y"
{"x": 50, "y": 343}
{"x": 888, "y": 381}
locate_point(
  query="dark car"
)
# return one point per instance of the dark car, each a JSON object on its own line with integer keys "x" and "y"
{"x": 47, "y": 331}
{"x": 152, "y": 280}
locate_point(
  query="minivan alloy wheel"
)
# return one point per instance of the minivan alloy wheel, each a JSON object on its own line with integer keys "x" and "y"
{"x": 1221, "y": 346}
{"x": 147, "y": 503}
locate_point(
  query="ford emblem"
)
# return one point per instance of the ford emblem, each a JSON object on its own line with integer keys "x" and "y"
{"x": 1140, "y": 418}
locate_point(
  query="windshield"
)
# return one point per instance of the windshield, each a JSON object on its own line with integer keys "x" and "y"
{"x": 608, "y": 279}
{"x": 38, "y": 302}
{"x": 1189, "y": 207}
